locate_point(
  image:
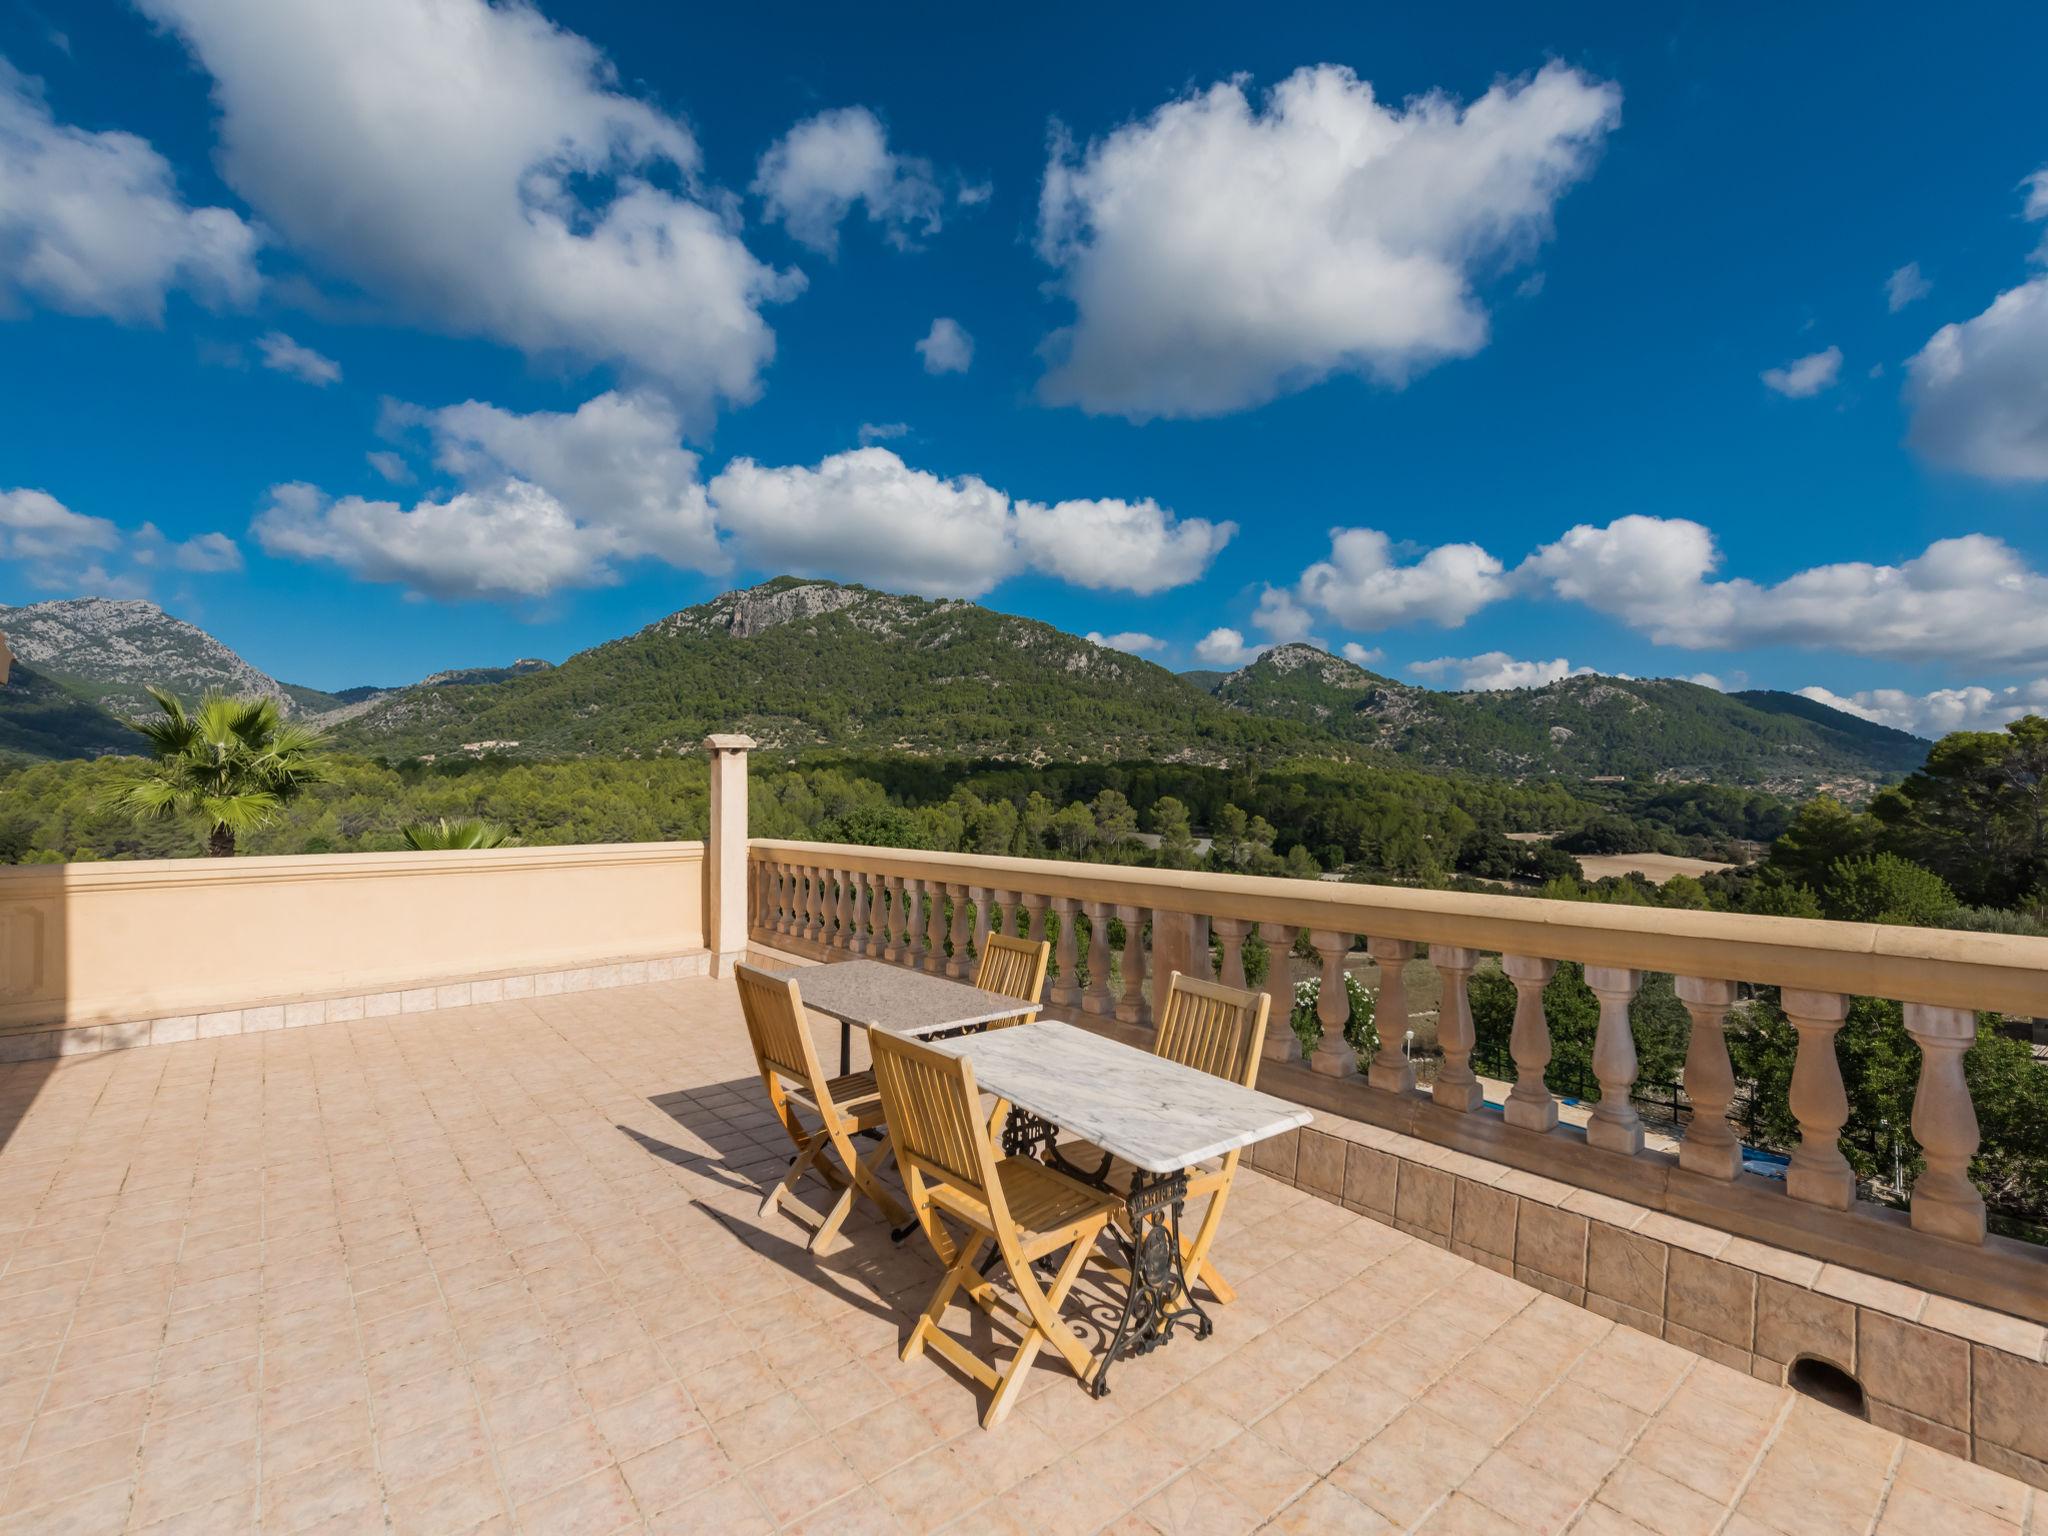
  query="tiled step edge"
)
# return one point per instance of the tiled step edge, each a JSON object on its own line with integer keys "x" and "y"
{"x": 87, "y": 1039}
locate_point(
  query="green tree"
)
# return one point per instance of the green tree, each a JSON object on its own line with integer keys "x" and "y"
{"x": 1823, "y": 834}
{"x": 1176, "y": 835}
{"x": 466, "y": 833}
{"x": 1977, "y": 813}
{"x": 1884, "y": 888}
{"x": 232, "y": 763}
{"x": 1073, "y": 831}
{"x": 1116, "y": 824}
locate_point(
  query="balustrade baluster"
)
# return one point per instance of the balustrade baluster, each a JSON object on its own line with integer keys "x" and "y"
{"x": 1281, "y": 1043}
{"x": 1391, "y": 1068}
{"x": 984, "y": 923}
{"x": 764, "y": 896}
{"x": 1945, "y": 1202}
{"x": 957, "y": 963}
{"x": 842, "y": 930}
{"x": 1615, "y": 1126}
{"x": 1710, "y": 1146}
{"x": 935, "y": 930}
{"x": 1065, "y": 991}
{"x": 888, "y": 913}
{"x": 1334, "y": 1055}
{"x": 1530, "y": 1104}
{"x": 1096, "y": 998}
{"x": 1230, "y": 933}
{"x": 806, "y": 894}
{"x": 918, "y": 936}
{"x": 1036, "y": 912}
{"x": 1456, "y": 1087}
{"x": 1817, "y": 1172}
{"x": 863, "y": 897}
{"x": 1130, "y": 1007}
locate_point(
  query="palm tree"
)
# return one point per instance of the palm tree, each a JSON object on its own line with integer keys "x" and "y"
{"x": 468, "y": 832}
{"x": 232, "y": 762}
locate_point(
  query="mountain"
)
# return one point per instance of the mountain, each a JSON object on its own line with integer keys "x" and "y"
{"x": 1206, "y": 679}
{"x": 40, "y": 718}
{"x": 106, "y": 649}
{"x": 1582, "y": 727}
{"x": 800, "y": 664}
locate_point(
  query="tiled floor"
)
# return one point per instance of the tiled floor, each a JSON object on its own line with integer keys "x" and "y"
{"x": 497, "y": 1269}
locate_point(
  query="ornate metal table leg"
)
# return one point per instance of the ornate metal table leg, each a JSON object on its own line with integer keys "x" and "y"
{"x": 1158, "y": 1299}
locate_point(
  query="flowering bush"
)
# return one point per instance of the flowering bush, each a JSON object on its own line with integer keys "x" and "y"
{"x": 1358, "y": 1028}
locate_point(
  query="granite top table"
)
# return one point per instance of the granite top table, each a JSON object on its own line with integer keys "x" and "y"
{"x": 877, "y": 995}
{"x": 1151, "y": 1112}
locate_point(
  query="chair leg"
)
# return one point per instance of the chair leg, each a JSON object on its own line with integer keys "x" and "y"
{"x": 942, "y": 1297}
{"x": 867, "y": 1174}
{"x": 1195, "y": 1251}
{"x": 1042, "y": 1307}
{"x": 807, "y": 1154}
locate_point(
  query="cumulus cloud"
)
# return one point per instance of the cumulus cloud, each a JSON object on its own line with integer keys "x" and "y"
{"x": 1805, "y": 377}
{"x": 283, "y": 355}
{"x": 1281, "y": 617}
{"x": 1943, "y": 710}
{"x": 92, "y": 223}
{"x": 872, "y": 432}
{"x": 63, "y": 550}
{"x": 946, "y": 348}
{"x": 1363, "y": 655}
{"x": 478, "y": 168}
{"x": 865, "y": 515}
{"x": 1904, "y": 286}
{"x": 547, "y": 500}
{"x": 390, "y": 465}
{"x": 1219, "y": 253}
{"x": 1223, "y": 647}
{"x": 811, "y": 177}
{"x": 1494, "y": 671}
{"x": 1968, "y": 599}
{"x": 1363, "y": 585}
{"x": 1978, "y": 390}
{"x": 1137, "y": 642}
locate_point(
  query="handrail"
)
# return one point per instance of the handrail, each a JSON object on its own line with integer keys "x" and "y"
{"x": 2005, "y": 973}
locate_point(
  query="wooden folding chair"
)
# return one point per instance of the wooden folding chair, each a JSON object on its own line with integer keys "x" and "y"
{"x": 1025, "y": 1209}
{"x": 1013, "y": 967}
{"x": 1221, "y": 1031}
{"x": 844, "y": 1107}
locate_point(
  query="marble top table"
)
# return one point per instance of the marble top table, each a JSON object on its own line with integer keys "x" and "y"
{"x": 877, "y": 995}
{"x": 1157, "y": 1114}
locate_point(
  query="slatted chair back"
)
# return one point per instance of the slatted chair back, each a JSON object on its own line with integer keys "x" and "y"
{"x": 774, "y": 1012}
{"x": 935, "y": 1117}
{"x": 1212, "y": 1028}
{"x": 1013, "y": 967}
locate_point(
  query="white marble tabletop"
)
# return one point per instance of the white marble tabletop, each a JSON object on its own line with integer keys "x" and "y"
{"x": 1155, "y": 1113}
{"x": 877, "y": 995}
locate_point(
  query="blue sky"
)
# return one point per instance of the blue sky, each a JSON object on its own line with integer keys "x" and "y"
{"x": 1584, "y": 327}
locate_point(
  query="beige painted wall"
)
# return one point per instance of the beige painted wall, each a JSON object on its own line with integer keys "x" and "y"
{"x": 95, "y": 943}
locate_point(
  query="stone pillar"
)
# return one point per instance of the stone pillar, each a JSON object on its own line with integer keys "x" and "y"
{"x": 1530, "y": 1104}
{"x": 863, "y": 911}
{"x": 935, "y": 932}
{"x": 1391, "y": 1068}
{"x": 1065, "y": 990}
{"x": 1175, "y": 937}
{"x": 1130, "y": 1007}
{"x": 1456, "y": 1087}
{"x": 1709, "y": 1146}
{"x": 1333, "y": 1056}
{"x": 1231, "y": 933}
{"x": 918, "y": 939}
{"x": 1945, "y": 1202}
{"x": 1281, "y": 1044}
{"x": 957, "y": 964}
{"x": 1615, "y": 1126}
{"x": 1817, "y": 1171}
{"x": 725, "y": 854}
{"x": 1096, "y": 998}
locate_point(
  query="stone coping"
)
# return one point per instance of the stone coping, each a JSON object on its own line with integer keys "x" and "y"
{"x": 86, "y": 1039}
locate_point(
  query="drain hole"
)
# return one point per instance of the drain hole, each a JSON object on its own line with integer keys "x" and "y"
{"x": 1826, "y": 1383}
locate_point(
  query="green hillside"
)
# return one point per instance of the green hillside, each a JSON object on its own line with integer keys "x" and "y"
{"x": 43, "y": 719}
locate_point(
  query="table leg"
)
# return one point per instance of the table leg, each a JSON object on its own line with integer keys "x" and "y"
{"x": 1158, "y": 1298}
{"x": 845, "y": 1048}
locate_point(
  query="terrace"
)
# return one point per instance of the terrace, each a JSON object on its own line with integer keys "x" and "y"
{"x": 427, "y": 1202}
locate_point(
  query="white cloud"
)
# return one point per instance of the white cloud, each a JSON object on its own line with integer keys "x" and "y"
{"x": 1807, "y": 376}
{"x": 1363, "y": 655}
{"x": 1362, "y": 586}
{"x": 547, "y": 500}
{"x": 92, "y": 223}
{"x": 1223, "y": 647}
{"x": 872, "y": 432}
{"x": 283, "y": 355}
{"x": 1137, "y": 642}
{"x": 1904, "y": 286}
{"x": 946, "y": 348}
{"x": 1219, "y": 254}
{"x": 479, "y": 168}
{"x": 811, "y": 177}
{"x": 1941, "y": 711}
{"x": 1134, "y": 546}
{"x": 865, "y": 515}
{"x": 1281, "y": 617}
{"x": 1711, "y": 680}
{"x": 390, "y": 465}
{"x": 1494, "y": 671}
{"x": 1967, "y": 599}
{"x": 63, "y": 550}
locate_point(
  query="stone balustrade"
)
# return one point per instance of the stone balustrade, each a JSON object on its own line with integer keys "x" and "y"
{"x": 928, "y": 909}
